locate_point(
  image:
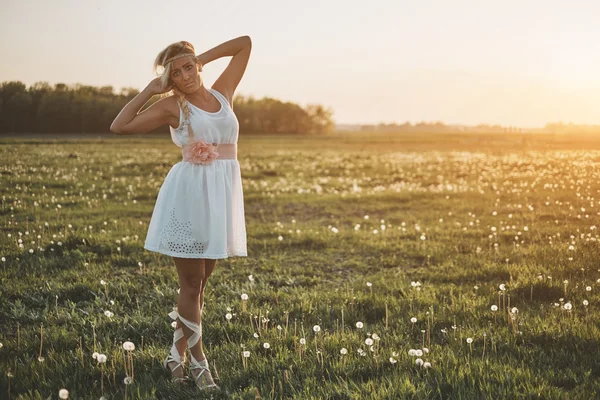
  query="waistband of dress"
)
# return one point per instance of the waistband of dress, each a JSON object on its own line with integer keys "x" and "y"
{"x": 227, "y": 151}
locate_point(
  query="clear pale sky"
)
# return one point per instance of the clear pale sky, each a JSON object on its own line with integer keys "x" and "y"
{"x": 521, "y": 63}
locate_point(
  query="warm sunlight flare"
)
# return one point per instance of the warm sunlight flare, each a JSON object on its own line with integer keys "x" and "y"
{"x": 514, "y": 63}
{"x": 299, "y": 200}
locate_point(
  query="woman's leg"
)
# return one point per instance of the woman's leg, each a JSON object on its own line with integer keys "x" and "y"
{"x": 191, "y": 279}
{"x": 209, "y": 266}
{"x": 181, "y": 344}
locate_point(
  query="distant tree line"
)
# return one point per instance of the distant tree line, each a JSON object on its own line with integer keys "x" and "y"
{"x": 62, "y": 108}
{"x": 561, "y": 127}
{"x": 440, "y": 127}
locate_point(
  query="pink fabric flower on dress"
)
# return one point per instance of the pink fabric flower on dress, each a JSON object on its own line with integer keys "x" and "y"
{"x": 200, "y": 153}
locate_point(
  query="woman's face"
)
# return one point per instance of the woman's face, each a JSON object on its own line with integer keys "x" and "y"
{"x": 185, "y": 74}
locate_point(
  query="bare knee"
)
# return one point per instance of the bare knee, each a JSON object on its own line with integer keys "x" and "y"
{"x": 191, "y": 287}
{"x": 191, "y": 278}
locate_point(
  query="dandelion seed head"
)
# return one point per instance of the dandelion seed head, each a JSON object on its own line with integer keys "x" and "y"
{"x": 418, "y": 362}
{"x": 129, "y": 346}
{"x": 469, "y": 340}
{"x": 63, "y": 393}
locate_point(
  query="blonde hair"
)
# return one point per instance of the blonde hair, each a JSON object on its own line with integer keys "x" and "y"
{"x": 164, "y": 71}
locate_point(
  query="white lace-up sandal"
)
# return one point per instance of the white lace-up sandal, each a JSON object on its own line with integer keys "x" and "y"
{"x": 174, "y": 355}
{"x": 204, "y": 379}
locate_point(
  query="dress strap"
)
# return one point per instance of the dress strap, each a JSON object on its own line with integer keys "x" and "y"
{"x": 221, "y": 98}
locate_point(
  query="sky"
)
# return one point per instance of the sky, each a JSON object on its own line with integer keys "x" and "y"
{"x": 516, "y": 63}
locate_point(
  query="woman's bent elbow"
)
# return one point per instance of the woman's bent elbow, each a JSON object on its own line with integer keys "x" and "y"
{"x": 117, "y": 130}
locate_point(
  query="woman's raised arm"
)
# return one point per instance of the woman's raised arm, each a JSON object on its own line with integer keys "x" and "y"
{"x": 239, "y": 48}
{"x": 131, "y": 121}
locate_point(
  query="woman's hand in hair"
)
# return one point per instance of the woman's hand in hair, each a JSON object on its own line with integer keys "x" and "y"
{"x": 157, "y": 86}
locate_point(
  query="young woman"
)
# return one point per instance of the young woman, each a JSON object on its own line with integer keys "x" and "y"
{"x": 199, "y": 212}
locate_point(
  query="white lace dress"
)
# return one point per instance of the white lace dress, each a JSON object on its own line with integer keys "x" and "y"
{"x": 199, "y": 210}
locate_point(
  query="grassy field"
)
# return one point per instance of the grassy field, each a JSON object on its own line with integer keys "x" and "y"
{"x": 375, "y": 263}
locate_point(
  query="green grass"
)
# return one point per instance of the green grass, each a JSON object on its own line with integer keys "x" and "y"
{"x": 462, "y": 214}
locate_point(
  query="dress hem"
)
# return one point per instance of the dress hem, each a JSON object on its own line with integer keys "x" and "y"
{"x": 187, "y": 255}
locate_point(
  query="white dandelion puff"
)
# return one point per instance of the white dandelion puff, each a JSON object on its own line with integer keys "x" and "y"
{"x": 129, "y": 346}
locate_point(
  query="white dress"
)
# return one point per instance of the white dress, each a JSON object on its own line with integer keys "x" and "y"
{"x": 199, "y": 210}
